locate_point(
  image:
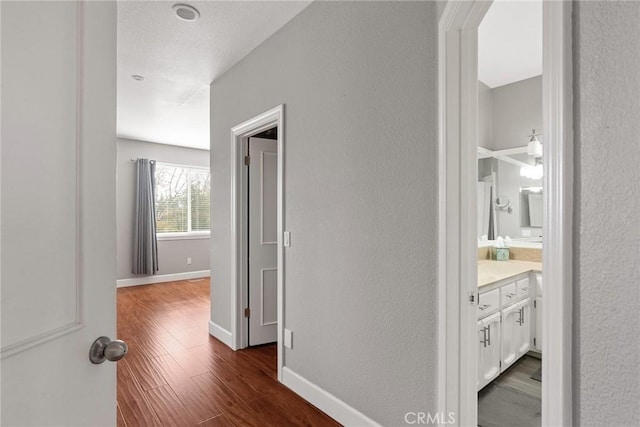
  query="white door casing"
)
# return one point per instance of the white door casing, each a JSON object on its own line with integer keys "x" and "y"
{"x": 263, "y": 240}
{"x": 58, "y": 211}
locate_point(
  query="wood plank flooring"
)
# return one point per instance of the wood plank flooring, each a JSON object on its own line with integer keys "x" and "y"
{"x": 176, "y": 374}
{"x": 514, "y": 398}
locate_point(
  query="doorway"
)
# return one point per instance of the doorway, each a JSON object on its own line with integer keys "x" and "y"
{"x": 261, "y": 162}
{"x": 458, "y": 221}
{"x": 244, "y": 142}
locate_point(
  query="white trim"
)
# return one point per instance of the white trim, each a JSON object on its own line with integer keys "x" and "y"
{"x": 457, "y": 239}
{"x": 220, "y": 333}
{"x": 162, "y": 278}
{"x": 325, "y": 401}
{"x": 187, "y": 235}
{"x": 239, "y": 137}
{"x": 557, "y": 252}
{"x": 458, "y": 91}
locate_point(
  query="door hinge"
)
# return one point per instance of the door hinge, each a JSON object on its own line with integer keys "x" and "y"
{"x": 247, "y": 160}
{"x": 473, "y": 298}
{"x": 534, "y": 304}
{"x": 247, "y": 312}
{"x": 534, "y": 342}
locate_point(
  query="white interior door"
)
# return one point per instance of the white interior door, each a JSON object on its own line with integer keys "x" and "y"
{"x": 58, "y": 211}
{"x": 263, "y": 239}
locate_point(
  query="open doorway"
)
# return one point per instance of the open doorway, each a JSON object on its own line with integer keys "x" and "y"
{"x": 262, "y": 238}
{"x": 258, "y": 238}
{"x": 510, "y": 212}
{"x": 461, "y": 306}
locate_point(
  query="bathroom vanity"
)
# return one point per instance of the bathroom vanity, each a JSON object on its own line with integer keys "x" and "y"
{"x": 509, "y": 314}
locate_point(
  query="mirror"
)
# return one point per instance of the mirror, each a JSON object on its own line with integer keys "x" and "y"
{"x": 509, "y": 196}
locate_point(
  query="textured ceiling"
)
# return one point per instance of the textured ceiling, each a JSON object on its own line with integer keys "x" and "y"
{"x": 510, "y": 42}
{"x": 179, "y": 60}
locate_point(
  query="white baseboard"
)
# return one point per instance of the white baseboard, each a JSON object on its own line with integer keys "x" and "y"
{"x": 148, "y": 280}
{"x": 220, "y": 333}
{"x": 325, "y": 401}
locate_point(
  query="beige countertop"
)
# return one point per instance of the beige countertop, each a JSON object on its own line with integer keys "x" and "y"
{"x": 493, "y": 271}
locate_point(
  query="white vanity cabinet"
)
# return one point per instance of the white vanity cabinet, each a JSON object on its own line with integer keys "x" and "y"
{"x": 536, "y": 341}
{"x": 524, "y": 327}
{"x": 489, "y": 332}
{"x": 510, "y": 335}
{"x": 507, "y": 327}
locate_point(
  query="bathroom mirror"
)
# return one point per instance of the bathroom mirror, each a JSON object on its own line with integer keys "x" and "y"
{"x": 509, "y": 198}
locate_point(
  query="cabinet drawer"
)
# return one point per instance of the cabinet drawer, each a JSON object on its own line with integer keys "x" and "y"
{"x": 508, "y": 294}
{"x": 488, "y": 302}
{"x": 522, "y": 288}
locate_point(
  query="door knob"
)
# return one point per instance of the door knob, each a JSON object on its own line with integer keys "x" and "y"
{"x": 104, "y": 349}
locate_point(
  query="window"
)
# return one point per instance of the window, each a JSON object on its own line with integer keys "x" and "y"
{"x": 182, "y": 201}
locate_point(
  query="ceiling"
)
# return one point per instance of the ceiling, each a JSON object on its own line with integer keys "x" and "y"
{"x": 510, "y": 42}
{"x": 179, "y": 60}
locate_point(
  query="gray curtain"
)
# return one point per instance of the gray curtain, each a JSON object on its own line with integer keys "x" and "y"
{"x": 145, "y": 244}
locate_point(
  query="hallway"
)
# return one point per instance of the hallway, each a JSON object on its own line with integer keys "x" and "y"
{"x": 177, "y": 375}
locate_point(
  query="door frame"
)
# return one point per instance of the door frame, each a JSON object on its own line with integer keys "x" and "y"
{"x": 457, "y": 272}
{"x": 240, "y": 135}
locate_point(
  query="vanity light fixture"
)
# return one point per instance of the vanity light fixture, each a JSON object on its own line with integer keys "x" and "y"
{"x": 532, "y": 172}
{"x": 186, "y": 12}
{"x": 534, "y": 148}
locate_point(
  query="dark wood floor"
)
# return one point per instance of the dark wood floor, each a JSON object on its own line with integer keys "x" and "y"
{"x": 176, "y": 374}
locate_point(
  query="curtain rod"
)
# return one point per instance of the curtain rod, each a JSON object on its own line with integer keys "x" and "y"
{"x": 135, "y": 160}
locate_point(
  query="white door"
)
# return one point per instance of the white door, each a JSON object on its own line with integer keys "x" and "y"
{"x": 263, "y": 241}
{"x": 489, "y": 367}
{"x": 524, "y": 330}
{"x": 510, "y": 334}
{"x": 58, "y": 211}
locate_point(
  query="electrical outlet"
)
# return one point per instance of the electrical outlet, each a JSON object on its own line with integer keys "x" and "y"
{"x": 188, "y": 261}
{"x": 288, "y": 338}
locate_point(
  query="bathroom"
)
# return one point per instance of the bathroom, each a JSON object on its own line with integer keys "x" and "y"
{"x": 510, "y": 215}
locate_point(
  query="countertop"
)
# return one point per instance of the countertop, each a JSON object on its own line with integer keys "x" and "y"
{"x": 493, "y": 271}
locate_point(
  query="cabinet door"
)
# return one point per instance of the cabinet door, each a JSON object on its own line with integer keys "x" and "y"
{"x": 524, "y": 327}
{"x": 510, "y": 335}
{"x": 489, "y": 361}
{"x": 538, "y": 325}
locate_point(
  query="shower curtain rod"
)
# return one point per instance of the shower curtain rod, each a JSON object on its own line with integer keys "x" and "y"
{"x": 136, "y": 159}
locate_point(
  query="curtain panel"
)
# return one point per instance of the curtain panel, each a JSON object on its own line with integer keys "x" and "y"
{"x": 145, "y": 243}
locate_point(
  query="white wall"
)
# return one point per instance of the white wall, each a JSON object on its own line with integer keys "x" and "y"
{"x": 172, "y": 254}
{"x": 607, "y": 228}
{"x": 359, "y": 84}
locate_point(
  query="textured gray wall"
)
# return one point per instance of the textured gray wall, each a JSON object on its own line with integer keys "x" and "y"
{"x": 359, "y": 84}
{"x": 607, "y": 230}
{"x": 172, "y": 254}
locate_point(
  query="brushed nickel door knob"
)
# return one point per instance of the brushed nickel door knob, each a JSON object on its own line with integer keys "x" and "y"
{"x": 104, "y": 349}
